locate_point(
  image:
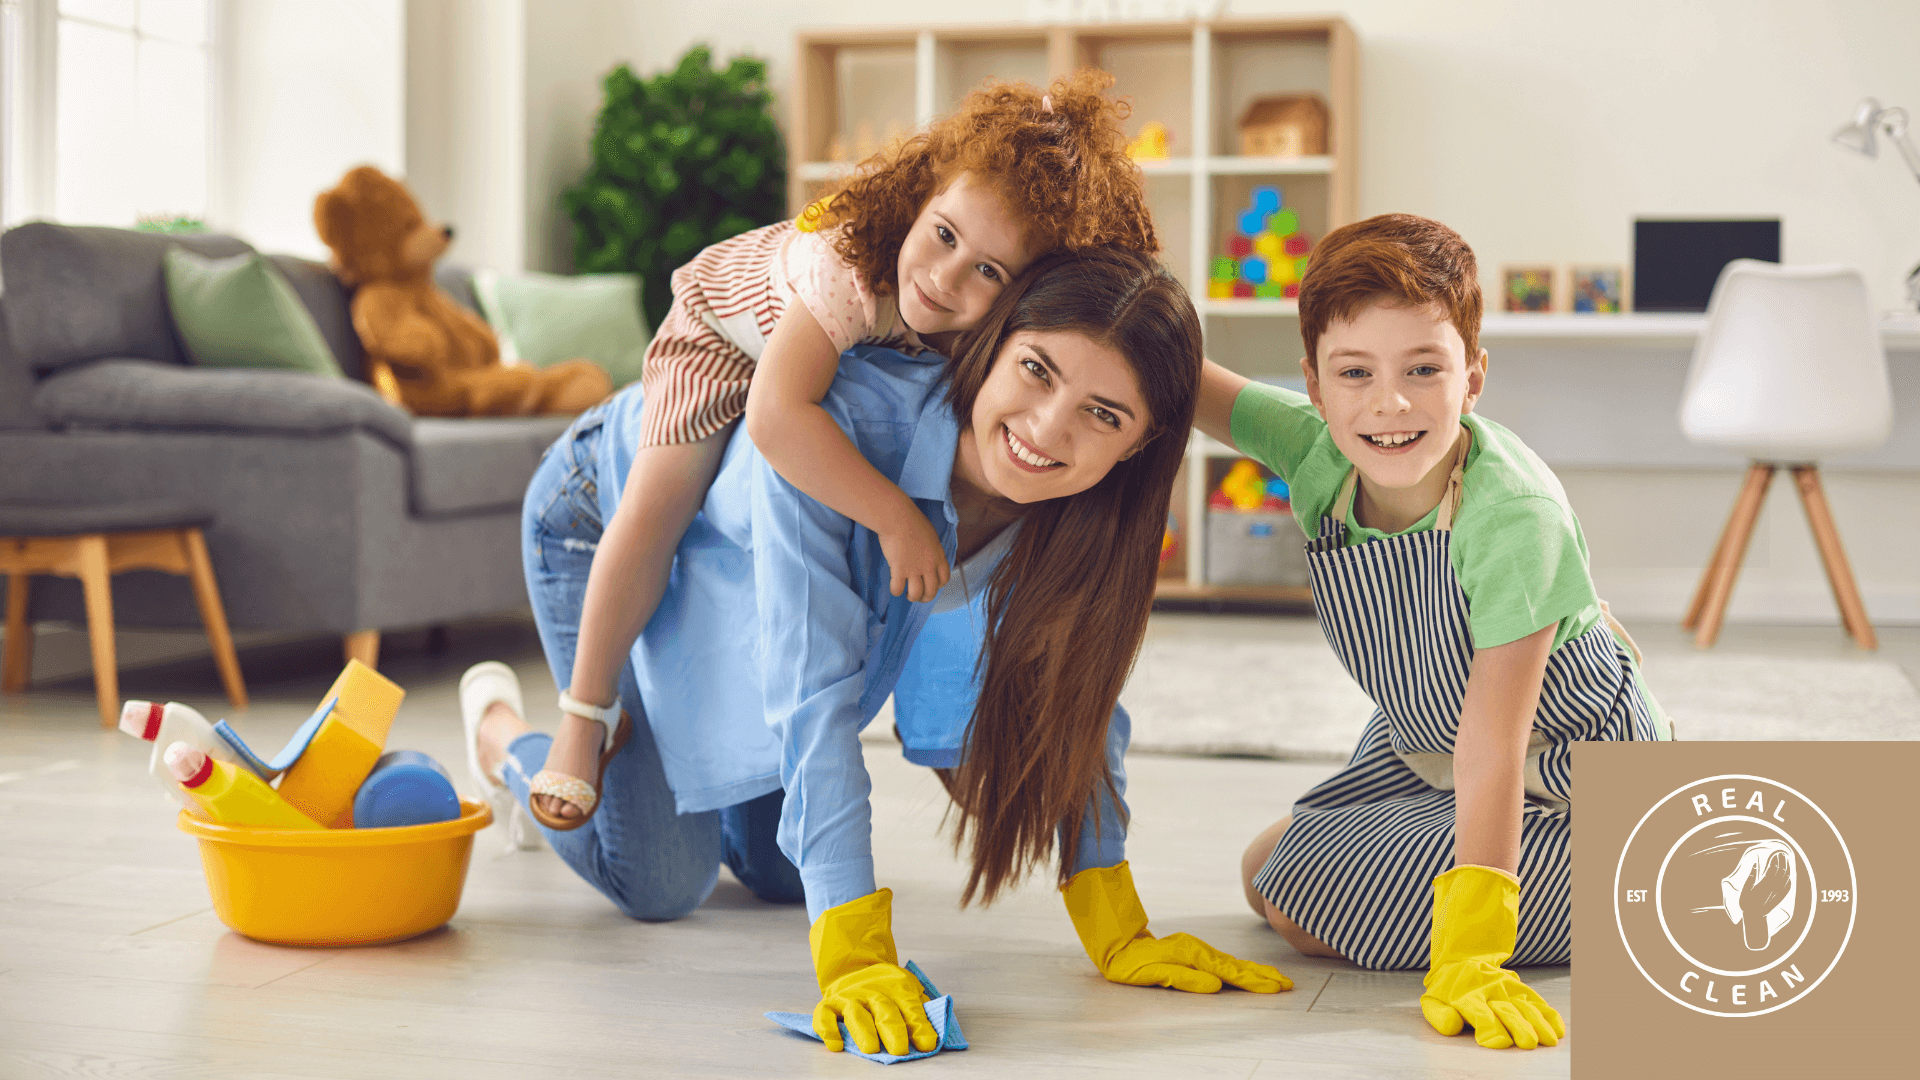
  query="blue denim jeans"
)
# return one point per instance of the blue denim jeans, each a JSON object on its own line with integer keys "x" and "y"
{"x": 653, "y": 863}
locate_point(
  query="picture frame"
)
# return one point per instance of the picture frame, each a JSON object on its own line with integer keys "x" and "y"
{"x": 1598, "y": 289}
{"x": 1526, "y": 288}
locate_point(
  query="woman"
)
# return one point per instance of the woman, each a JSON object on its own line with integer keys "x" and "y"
{"x": 1044, "y": 464}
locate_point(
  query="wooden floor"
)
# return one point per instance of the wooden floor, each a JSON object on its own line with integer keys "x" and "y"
{"x": 113, "y": 964}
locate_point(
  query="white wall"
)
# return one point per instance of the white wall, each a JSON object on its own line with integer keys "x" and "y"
{"x": 309, "y": 91}
{"x": 466, "y": 140}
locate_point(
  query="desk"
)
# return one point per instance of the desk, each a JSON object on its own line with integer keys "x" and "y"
{"x": 1899, "y": 332}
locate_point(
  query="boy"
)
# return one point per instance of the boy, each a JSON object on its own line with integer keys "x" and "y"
{"x": 1450, "y": 575}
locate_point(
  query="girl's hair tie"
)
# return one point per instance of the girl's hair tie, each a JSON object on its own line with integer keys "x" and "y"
{"x": 1046, "y": 103}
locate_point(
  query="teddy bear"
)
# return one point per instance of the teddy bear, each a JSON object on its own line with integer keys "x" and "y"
{"x": 425, "y": 352}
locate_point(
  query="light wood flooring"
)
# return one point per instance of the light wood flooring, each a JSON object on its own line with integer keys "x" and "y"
{"x": 113, "y": 964}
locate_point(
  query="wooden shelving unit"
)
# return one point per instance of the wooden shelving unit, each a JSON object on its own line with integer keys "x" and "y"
{"x": 1194, "y": 77}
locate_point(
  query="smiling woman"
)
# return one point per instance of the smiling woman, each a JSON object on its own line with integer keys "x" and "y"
{"x": 1090, "y": 363}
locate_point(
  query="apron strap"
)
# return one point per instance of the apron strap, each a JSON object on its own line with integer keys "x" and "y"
{"x": 1449, "y": 503}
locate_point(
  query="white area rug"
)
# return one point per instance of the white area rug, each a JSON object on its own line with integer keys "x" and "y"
{"x": 1226, "y": 686}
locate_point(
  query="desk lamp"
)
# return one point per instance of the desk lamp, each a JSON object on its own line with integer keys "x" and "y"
{"x": 1860, "y": 136}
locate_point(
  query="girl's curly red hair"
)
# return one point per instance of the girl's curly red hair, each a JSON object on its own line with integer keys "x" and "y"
{"x": 1060, "y": 164}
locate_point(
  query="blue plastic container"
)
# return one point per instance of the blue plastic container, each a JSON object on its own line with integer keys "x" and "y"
{"x": 406, "y": 787}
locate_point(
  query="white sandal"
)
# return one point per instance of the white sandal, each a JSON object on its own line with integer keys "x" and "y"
{"x": 481, "y": 686}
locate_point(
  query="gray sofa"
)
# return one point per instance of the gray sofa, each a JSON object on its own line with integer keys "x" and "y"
{"x": 334, "y": 512}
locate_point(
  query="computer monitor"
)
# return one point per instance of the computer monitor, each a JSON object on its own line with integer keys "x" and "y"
{"x": 1675, "y": 263}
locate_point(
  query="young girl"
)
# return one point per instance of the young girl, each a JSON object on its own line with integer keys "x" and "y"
{"x": 1450, "y": 576}
{"x": 908, "y": 253}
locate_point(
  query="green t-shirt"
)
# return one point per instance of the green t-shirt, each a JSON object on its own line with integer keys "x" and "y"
{"x": 1517, "y": 549}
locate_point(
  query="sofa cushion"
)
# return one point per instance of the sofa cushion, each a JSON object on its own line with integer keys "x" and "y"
{"x": 77, "y": 293}
{"x": 240, "y": 312}
{"x": 328, "y": 302}
{"x": 544, "y": 319}
{"x": 147, "y": 396}
{"x": 478, "y": 464}
{"x": 16, "y": 385}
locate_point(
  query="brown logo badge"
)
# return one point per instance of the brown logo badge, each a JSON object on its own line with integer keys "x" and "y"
{"x": 1735, "y": 895}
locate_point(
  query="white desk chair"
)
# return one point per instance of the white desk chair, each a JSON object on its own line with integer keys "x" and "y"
{"x": 1788, "y": 371}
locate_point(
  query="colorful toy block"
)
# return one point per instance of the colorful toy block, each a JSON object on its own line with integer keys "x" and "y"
{"x": 1266, "y": 255}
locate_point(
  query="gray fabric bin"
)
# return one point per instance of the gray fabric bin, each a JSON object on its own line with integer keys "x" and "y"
{"x": 1255, "y": 547}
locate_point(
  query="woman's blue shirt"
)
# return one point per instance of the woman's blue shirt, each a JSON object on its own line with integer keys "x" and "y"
{"x": 777, "y": 640}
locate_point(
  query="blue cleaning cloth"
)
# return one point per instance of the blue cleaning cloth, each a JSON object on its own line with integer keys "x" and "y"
{"x": 939, "y": 1012}
{"x": 290, "y": 753}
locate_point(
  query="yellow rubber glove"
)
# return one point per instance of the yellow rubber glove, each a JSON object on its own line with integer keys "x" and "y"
{"x": 1113, "y": 927}
{"x": 1476, "y": 915}
{"x": 862, "y": 982}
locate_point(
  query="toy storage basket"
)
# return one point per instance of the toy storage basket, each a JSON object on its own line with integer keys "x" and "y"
{"x": 337, "y": 886}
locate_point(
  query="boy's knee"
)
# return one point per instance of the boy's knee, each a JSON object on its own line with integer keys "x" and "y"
{"x": 1256, "y": 857}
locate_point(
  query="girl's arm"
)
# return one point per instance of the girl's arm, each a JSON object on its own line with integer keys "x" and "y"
{"x": 1214, "y": 412}
{"x": 1490, "y": 752}
{"x": 808, "y": 450}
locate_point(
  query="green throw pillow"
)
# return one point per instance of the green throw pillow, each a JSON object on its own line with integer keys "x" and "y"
{"x": 542, "y": 319}
{"x": 240, "y": 312}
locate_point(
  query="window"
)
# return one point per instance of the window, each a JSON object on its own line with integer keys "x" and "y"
{"x": 15, "y": 76}
{"x": 130, "y": 111}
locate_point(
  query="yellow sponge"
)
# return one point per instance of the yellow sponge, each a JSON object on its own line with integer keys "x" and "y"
{"x": 323, "y": 782}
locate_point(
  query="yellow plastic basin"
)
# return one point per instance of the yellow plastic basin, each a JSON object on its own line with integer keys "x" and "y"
{"x": 337, "y": 886}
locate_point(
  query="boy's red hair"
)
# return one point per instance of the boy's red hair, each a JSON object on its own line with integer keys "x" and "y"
{"x": 1059, "y": 161}
{"x": 1398, "y": 258}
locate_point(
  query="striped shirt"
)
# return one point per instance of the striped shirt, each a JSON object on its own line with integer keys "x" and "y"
{"x": 726, "y": 303}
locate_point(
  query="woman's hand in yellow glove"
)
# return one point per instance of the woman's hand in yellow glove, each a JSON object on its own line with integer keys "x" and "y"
{"x": 1476, "y": 917}
{"x": 862, "y": 982}
{"x": 1106, "y": 911}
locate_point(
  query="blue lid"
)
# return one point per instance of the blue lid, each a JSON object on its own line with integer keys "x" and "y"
{"x": 406, "y": 787}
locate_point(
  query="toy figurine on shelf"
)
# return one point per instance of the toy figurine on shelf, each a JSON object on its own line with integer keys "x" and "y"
{"x": 1152, "y": 143}
{"x": 1266, "y": 254}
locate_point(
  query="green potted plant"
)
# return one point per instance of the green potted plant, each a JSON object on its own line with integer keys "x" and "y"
{"x": 680, "y": 161}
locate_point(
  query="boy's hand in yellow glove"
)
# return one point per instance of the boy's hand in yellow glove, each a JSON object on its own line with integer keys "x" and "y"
{"x": 1476, "y": 917}
{"x": 1106, "y": 911}
{"x": 862, "y": 982}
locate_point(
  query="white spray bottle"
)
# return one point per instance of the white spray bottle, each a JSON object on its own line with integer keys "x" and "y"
{"x": 165, "y": 724}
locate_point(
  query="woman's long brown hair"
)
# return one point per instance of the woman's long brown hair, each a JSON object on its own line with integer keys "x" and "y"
{"x": 1067, "y": 608}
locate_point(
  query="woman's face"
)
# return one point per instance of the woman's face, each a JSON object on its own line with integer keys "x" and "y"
{"x": 1056, "y": 413}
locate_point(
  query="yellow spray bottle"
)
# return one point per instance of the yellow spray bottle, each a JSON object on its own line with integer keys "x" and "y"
{"x": 229, "y": 795}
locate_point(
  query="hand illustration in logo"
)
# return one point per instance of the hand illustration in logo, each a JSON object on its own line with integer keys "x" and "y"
{"x": 1759, "y": 893}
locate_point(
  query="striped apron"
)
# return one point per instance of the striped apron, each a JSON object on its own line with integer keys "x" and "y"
{"x": 1356, "y": 866}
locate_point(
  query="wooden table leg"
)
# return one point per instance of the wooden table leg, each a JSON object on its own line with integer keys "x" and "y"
{"x": 17, "y": 669}
{"x": 98, "y": 585}
{"x": 364, "y": 646}
{"x": 206, "y": 593}
{"x": 1806, "y": 478}
{"x": 1733, "y": 551}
